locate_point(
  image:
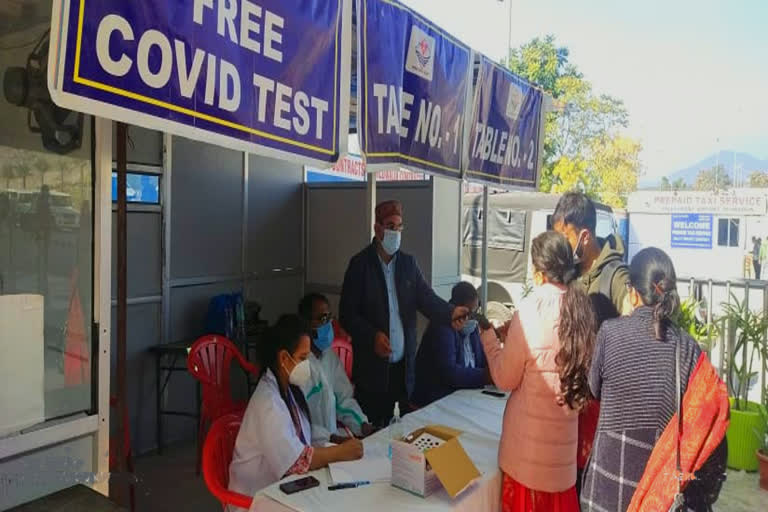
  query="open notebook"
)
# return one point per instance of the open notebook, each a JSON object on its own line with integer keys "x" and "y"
{"x": 373, "y": 469}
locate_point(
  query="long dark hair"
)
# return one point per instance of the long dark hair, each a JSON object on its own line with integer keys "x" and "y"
{"x": 285, "y": 334}
{"x": 652, "y": 275}
{"x": 552, "y": 255}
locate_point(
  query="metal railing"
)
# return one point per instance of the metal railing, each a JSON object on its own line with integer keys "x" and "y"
{"x": 713, "y": 294}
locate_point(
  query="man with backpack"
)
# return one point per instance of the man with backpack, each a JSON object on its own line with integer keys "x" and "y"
{"x": 604, "y": 276}
{"x": 603, "y": 272}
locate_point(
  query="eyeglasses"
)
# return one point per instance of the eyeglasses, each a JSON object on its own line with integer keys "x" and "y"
{"x": 325, "y": 318}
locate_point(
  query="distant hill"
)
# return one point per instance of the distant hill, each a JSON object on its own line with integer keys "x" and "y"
{"x": 730, "y": 160}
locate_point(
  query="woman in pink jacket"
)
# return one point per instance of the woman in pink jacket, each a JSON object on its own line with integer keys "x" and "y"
{"x": 544, "y": 362}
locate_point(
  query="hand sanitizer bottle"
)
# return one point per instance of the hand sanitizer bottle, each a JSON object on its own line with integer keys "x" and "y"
{"x": 395, "y": 427}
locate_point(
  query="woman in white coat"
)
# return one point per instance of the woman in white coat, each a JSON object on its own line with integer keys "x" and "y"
{"x": 275, "y": 437}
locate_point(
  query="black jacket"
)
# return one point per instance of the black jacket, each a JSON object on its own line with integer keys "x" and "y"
{"x": 364, "y": 310}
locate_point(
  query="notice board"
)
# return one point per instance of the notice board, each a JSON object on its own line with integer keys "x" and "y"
{"x": 692, "y": 231}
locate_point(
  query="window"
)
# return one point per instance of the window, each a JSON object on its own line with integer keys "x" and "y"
{"x": 140, "y": 188}
{"x": 46, "y": 269}
{"x": 728, "y": 232}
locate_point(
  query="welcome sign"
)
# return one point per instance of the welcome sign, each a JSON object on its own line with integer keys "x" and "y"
{"x": 413, "y": 91}
{"x": 266, "y": 76}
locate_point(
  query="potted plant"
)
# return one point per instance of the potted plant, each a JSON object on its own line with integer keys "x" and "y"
{"x": 748, "y": 330}
{"x": 689, "y": 319}
{"x": 762, "y": 451}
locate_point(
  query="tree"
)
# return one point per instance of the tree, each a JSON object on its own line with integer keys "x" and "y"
{"x": 715, "y": 178}
{"x": 616, "y": 166}
{"x": 584, "y": 130}
{"x": 9, "y": 172}
{"x": 23, "y": 170}
{"x": 571, "y": 175}
{"x": 758, "y": 179}
{"x": 678, "y": 184}
{"x": 42, "y": 166}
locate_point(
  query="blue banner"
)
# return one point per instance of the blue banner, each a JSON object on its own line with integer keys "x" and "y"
{"x": 692, "y": 231}
{"x": 504, "y": 140}
{"x": 414, "y": 89}
{"x": 265, "y": 76}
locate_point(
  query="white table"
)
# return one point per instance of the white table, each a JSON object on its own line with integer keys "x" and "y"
{"x": 477, "y": 415}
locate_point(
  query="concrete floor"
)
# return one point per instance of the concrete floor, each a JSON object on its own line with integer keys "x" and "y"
{"x": 168, "y": 483}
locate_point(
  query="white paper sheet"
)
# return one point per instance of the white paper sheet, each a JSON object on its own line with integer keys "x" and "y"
{"x": 373, "y": 469}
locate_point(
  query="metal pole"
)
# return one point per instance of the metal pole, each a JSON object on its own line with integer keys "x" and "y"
{"x": 509, "y": 34}
{"x": 745, "y": 347}
{"x": 370, "y": 210}
{"x": 122, "y": 281}
{"x": 763, "y": 353}
{"x": 710, "y": 298}
{"x": 726, "y": 334}
{"x": 484, "y": 284}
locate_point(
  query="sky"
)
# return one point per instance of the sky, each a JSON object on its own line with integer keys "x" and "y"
{"x": 693, "y": 74}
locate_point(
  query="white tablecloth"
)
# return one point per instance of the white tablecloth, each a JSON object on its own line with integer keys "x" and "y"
{"x": 477, "y": 415}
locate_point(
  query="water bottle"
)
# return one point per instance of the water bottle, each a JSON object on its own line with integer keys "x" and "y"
{"x": 395, "y": 427}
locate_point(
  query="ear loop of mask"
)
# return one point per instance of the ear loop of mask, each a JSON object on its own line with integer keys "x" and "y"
{"x": 576, "y": 255}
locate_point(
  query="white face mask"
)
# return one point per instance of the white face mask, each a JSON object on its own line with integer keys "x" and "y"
{"x": 300, "y": 374}
{"x": 391, "y": 241}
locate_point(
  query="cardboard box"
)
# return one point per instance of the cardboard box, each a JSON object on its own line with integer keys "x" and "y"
{"x": 422, "y": 473}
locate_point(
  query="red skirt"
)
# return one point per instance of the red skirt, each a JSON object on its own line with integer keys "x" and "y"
{"x": 515, "y": 497}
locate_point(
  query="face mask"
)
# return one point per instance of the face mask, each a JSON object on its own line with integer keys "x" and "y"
{"x": 469, "y": 327}
{"x": 300, "y": 374}
{"x": 324, "y": 337}
{"x": 391, "y": 241}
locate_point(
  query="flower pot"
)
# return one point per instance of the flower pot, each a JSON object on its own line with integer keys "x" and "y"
{"x": 744, "y": 435}
{"x": 762, "y": 459}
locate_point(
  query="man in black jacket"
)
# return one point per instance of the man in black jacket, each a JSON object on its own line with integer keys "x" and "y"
{"x": 383, "y": 289}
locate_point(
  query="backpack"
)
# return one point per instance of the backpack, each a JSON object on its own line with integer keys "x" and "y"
{"x": 225, "y": 316}
{"x": 602, "y": 301}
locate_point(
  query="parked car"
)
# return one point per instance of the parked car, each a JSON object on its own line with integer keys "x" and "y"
{"x": 65, "y": 217}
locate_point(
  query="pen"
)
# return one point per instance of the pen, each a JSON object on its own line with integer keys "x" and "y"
{"x": 349, "y": 432}
{"x": 348, "y": 485}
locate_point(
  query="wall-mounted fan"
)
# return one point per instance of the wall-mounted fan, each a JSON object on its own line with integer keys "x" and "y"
{"x": 60, "y": 129}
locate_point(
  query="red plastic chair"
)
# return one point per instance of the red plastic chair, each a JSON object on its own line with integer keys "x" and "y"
{"x": 342, "y": 345}
{"x": 209, "y": 361}
{"x": 217, "y": 456}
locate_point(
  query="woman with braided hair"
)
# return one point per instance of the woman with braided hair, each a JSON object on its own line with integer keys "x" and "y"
{"x": 641, "y": 363}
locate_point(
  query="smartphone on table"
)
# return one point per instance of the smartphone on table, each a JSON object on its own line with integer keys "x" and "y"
{"x": 302, "y": 484}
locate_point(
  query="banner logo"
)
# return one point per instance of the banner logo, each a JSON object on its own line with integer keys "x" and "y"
{"x": 514, "y": 101}
{"x": 421, "y": 52}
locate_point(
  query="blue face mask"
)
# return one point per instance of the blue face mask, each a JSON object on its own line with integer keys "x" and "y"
{"x": 324, "y": 337}
{"x": 469, "y": 327}
{"x": 391, "y": 241}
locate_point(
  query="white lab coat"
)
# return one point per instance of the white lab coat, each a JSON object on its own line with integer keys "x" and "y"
{"x": 330, "y": 397}
{"x": 267, "y": 444}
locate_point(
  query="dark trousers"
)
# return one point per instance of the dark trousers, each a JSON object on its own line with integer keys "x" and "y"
{"x": 758, "y": 267}
{"x": 378, "y": 405}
